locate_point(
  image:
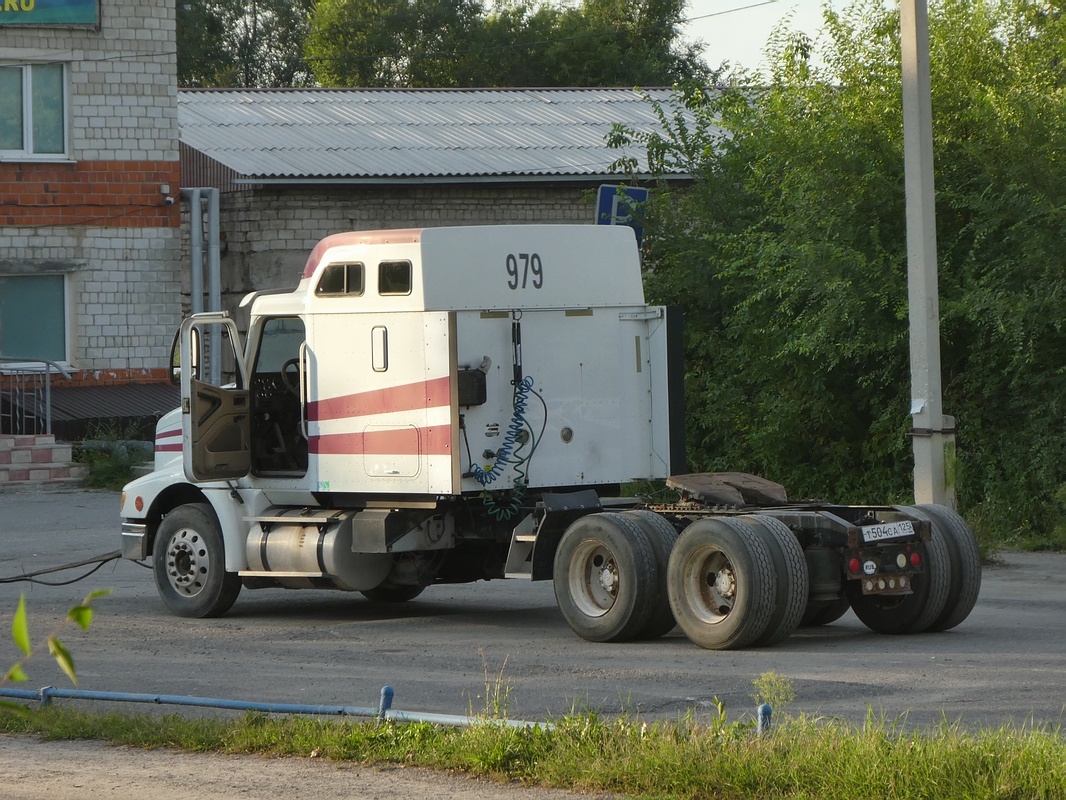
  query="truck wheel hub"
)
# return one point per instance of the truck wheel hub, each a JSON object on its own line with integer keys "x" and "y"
{"x": 609, "y": 580}
{"x": 187, "y": 562}
{"x": 725, "y": 583}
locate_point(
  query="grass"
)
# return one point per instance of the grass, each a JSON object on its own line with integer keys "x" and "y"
{"x": 1053, "y": 540}
{"x": 804, "y": 758}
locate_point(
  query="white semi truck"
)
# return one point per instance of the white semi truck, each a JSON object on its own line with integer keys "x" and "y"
{"x": 449, "y": 405}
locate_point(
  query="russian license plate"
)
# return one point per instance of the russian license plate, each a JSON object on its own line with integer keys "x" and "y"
{"x": 887, "y": 530}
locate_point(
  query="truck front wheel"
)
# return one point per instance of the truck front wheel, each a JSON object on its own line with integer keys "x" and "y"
{"x": 606, "y": 578}
{"x": 722, "y": 584}
{"x": 189, "y": 563}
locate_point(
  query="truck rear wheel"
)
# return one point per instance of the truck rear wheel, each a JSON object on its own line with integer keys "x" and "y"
{"x": 392, "y": 594}
{"x": 793, "y": 585}
{"x": 663, "y": 537}
{"x": 965, "y": 559}
{"x": 605, "y": 578}
{"x": 824, "y": 612}
{"x": 722, "y": 583}
{"x": 189, "y": 563}
{"x": 915, "y": 612}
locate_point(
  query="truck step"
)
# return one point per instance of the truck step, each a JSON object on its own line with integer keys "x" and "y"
{"x": 520, "y": 554}
{"x": 254, "y": 573}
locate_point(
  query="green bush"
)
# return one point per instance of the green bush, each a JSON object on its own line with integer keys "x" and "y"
{"x": 788, "y": 257}
{"x": 111, "y": 453}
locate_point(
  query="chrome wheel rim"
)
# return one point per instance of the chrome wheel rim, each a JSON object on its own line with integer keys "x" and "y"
{"x": 710, "y": 583}
{"x": 593, "y": 578}
{"x": 187, "y": 562}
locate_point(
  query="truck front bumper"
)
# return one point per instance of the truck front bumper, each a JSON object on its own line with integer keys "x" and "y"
{"x": 134, "y": 541}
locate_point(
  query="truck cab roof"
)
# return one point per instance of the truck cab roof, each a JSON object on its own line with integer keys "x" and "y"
{"x": 466, "y": 268}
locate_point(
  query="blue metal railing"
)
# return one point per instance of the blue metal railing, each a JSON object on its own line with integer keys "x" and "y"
{"x": 26, "y": 395}
{"x": 383, "y": 712}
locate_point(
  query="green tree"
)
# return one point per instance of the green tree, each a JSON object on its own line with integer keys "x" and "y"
{"x": 256, "y": 43}
{"x": 788, "y": 255}
{"x": 392, "y": 42}
{"x": 433, "y": 43}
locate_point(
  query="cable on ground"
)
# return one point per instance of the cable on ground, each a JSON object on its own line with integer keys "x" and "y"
{"x": 31, "y": 577}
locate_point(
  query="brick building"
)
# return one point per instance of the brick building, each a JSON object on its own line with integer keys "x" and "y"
{"x": 295, "y": 165}
{"x": 89, "y": 244}
{"x": 94, "y": 268}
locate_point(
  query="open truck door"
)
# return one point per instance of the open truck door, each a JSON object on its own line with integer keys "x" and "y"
{"x": 215, "y": 419}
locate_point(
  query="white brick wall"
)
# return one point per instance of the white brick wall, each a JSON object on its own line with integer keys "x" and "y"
{"x": 124, "y": 283}
{"x": 123, "y": 79}
{"x": 269, "y": 233}
{"x": 125, "y": 289}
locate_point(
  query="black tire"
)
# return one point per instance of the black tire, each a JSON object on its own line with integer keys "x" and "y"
{"x": 189, "y": 563}
{"x": 392, "y": 594}
{"x": 663, "y": 537}
{"x": 911, "y": 613}
{"x": 605, "y": 578}
{"x": 722, "y": 583}
{"x": 965, "y": 558}
{"x": 793, "y": 584}
{"x": 825, "y": 612}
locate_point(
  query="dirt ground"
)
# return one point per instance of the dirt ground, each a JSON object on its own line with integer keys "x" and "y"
{"x": 34, "y": 770}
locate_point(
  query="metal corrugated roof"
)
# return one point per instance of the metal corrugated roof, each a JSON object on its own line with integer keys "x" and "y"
{"x": 102, "y": 402}
{"x": 109, "y": 402}
{"x": 293, "y": 134}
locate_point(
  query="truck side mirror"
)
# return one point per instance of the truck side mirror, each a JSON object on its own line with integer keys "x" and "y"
{"x": 175, "y": 359}
{"x": 175, "y": 356}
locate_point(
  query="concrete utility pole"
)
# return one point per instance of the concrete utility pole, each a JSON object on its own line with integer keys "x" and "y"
{"x": 933, "y": 433}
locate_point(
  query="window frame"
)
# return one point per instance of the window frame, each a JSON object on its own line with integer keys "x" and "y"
{"x": 347, "y": 268}
{"x": 27, "y": 153}
{"x": 64, "y": 362}
{"x": 391, "y": 263}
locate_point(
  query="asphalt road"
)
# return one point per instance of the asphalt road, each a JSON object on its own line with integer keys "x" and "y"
{"x": 1007, "y": 662}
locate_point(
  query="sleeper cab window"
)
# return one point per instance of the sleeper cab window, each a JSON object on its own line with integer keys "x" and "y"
{"x": 394, "y": 277}
{"x": 340, "y": 279}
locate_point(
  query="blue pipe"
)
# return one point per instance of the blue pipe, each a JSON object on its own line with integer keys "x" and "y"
{"x": 764, "y": 716}
{"x": 381, "y": 713}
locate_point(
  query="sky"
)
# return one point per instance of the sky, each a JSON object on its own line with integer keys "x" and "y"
{"x": 739, "y": 36}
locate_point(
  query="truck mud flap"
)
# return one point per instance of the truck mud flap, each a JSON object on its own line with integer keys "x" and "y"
{"x": 560, "y": 511}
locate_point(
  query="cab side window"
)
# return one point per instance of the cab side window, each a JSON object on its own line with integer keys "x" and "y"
{"x": 340, "y": 279}
{"x": 394, "y": 277}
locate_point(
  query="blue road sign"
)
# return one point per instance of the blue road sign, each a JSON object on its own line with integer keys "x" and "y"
{"x": 615, "y": 205}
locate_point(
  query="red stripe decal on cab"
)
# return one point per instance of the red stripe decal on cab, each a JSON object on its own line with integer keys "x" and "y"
{"x": 431, "y": 441}
{"x": 409, "y": 397}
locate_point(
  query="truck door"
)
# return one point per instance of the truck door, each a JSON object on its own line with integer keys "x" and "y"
{"x": 277, "y": 354}
{"x": 214, "y": 414}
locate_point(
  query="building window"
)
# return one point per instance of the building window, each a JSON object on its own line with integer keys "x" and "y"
{"x": 33, "y": 317}
{"x": 33, "y": 97}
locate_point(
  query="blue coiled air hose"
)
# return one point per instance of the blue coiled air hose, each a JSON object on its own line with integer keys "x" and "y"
{"x": 518, "y": 422}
